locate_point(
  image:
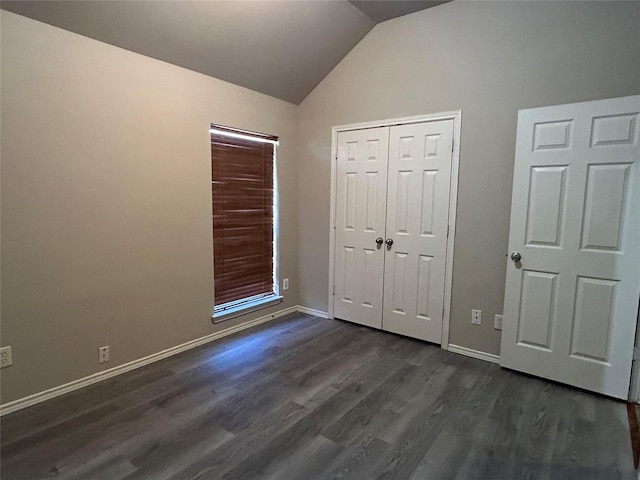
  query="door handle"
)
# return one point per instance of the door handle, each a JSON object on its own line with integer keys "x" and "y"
{"x": 379, "y": 241}
{"x": 389, "y": 242}
{"x": 516, "y": 257}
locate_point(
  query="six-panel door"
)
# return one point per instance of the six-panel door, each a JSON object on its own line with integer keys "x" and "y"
{"x": 361, "y": 196}
{"x": 417, "y": 218}
{"x": 393, "y": 185}
{"x": 571, "y": 302}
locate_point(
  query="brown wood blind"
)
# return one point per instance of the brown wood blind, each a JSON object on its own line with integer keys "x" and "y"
{"x": 242, "y": 191}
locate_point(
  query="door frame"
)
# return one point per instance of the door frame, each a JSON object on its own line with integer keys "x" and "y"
{"x": 456, "y": 116}
{"x": 634, "y": 387}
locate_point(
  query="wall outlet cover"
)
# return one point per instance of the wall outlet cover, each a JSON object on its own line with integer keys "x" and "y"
{"x": 476, "y": 317}
{"x": 5, "y": 357}
{"x": 103, "y": 354}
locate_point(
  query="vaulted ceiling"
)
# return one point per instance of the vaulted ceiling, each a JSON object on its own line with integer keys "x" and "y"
{"x": 282, "y": 48}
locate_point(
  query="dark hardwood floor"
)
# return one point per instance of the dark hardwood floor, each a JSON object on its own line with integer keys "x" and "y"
{"x": 308, "y": 398}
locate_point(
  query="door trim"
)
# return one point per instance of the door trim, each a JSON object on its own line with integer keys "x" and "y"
{"x": 634, "y": 387}
{"x": 456, "y": 116}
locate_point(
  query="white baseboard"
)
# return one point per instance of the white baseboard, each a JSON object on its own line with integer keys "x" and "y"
{"x": 120, "y": 369}
{"x": 470, "y": 352}
{"x": 311, "y": 311}
{"x": 155, "y": 357}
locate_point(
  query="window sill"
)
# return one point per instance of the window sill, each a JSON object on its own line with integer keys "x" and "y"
{"x": 246, "y": 308}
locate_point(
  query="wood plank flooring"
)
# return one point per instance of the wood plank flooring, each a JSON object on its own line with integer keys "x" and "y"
{"x": 308, "y": 398}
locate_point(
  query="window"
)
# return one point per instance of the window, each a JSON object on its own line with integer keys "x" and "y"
{"x": 244, "y": 218}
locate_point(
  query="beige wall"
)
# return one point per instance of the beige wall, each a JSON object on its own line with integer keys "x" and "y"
{"x": 106, "y": 203}
{"x": 488, "y": 59}
{"x": 106, "y": 236}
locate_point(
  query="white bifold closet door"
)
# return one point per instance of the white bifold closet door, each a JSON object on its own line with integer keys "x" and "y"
{"x": 392, "y": 204}
{"x": 361, "y": 197}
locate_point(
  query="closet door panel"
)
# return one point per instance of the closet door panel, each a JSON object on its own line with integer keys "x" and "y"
{"x": 361, "y": 197}
{"x": 417, "y": 219}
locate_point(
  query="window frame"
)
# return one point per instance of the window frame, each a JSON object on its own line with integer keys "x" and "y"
{"x": 251, "y": 303}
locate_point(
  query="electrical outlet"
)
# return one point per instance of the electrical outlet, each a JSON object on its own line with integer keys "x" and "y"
{"x": 5, "y": 357}
{"x": 476, "y": 317}
{"x": 497, "y": 322}
{"x": 285, "y": 284}
{"x": 103, "y": 354}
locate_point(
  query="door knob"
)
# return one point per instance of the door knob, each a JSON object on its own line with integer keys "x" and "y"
{"x": 389, "y": 241}
{"x": 379, "y": 241}
{"x": 516, "y": 257}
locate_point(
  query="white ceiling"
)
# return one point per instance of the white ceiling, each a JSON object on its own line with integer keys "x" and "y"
{"x": 282, "y": 48}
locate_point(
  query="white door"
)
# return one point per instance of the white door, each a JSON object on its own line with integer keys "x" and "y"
{"x": 361, "y": 196}
{"x": 392, "y": 186}
{"x": 417, "y": 219}
{"x": 571, "y": 301}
